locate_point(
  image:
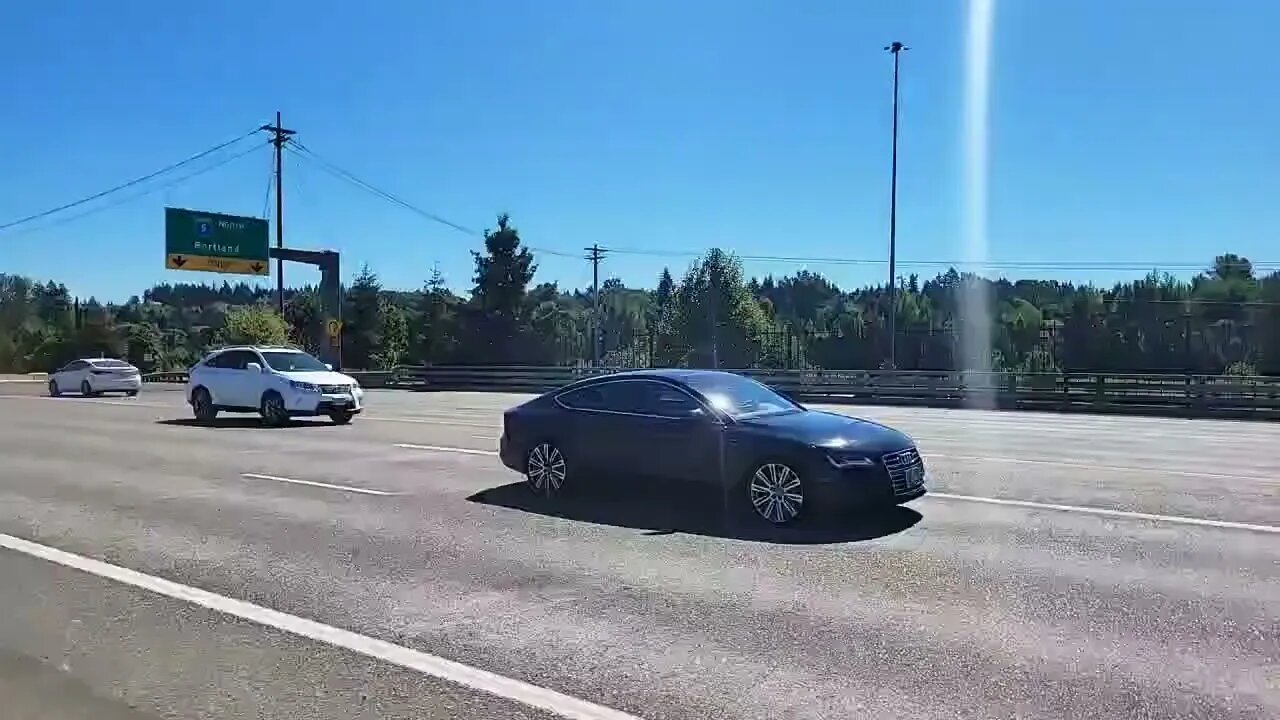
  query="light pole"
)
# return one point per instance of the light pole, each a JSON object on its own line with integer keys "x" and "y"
{"x": 895, "y": 48}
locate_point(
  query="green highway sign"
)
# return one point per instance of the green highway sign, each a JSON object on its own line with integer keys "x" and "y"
{"x": 214, "y": 242}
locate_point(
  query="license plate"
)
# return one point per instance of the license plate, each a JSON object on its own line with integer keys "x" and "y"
{"x": 915, "y": 476}
{"x": 339, "y": 401}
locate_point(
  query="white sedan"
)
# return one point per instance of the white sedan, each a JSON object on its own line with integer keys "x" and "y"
{"x": 92, "y": 377}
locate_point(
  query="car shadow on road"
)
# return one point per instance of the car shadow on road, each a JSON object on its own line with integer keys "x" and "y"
{"x": 246, "y": 421}
{"x": 656, "y": 513}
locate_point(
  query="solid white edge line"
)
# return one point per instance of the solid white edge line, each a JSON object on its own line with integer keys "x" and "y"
{"x": 1128, "y": 514}
{"x": 446, "y": 449}
{"x": 313, "y": 483}
{"x": 448, "y": 670}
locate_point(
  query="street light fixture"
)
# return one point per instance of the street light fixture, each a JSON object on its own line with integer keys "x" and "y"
{"x": 895, "y": 48}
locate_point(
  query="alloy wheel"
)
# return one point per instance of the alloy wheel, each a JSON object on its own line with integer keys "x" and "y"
{"x": 546, "y": 469}
{"x": 776, "y": 493}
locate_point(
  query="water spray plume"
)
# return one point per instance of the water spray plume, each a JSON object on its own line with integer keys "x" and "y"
{"x": 976, "y": 305}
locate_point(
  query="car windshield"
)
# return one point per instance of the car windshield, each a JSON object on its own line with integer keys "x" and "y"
{"x": 292, "y": 362}
{"x": 740, "y": 397}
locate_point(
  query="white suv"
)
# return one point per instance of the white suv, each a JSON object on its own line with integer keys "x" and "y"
{"x": 276, "y": 382}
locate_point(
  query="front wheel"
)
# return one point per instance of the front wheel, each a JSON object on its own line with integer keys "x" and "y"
{"x": 273, "y": 410}
{"x": 546, "y": 469}
{"x": 341, "y": 417}
{"x": 776, "y": 493}
{"x": 53, "y": 389}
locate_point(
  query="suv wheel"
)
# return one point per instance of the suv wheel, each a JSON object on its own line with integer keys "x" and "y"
{"x": 273, "y": 410}
{"x": 341, "y": 417}
{"x": 202, "y": 405}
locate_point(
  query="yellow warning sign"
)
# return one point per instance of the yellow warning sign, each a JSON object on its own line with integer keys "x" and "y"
{"x": 205, "y": 263}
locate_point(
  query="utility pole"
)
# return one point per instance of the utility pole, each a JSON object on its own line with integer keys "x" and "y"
{"x": 595, "y": 254}
{"x": 896, "y": 49}
{"x": 281, "y": 136}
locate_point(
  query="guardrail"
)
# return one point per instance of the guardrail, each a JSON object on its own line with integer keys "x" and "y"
{"x": 1177, "y": 395}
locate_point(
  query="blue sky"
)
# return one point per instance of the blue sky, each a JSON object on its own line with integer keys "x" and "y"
{"x": 1121, "y": 131}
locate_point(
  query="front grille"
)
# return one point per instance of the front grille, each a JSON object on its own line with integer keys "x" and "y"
{"x": 898, "y": 463}
{"x": 335, "y": 389}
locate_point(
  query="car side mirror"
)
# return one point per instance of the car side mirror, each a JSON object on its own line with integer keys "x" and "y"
{"x": 253, "y": 367}
{"x": 327, "y": 366}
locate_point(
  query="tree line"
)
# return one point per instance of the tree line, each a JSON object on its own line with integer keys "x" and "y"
{"x": 1225, "y": 319}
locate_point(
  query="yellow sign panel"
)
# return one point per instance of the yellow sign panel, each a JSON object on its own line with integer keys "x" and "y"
{"x": 333, "y": 327}
{"x": 205, "y": 263}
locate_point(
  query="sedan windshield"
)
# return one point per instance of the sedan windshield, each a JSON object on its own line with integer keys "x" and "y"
{"x": 293, "y": 362}
{"x": 740, "y": 397}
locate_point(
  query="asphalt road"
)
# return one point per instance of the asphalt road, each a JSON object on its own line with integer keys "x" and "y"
{"x": 398, "y": 542}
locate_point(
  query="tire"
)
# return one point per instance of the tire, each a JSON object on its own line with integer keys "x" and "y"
{"x": 202, "y": 405}
{"x": 546, "y": 469}
{"x": 775, "y": 493}
{"x": 53, "y": 389}
{"x": 272, "y": 409}
{"x": 341, "y": 417}
{"x": 86, "y": 389}
{"x": 131, "y": 393}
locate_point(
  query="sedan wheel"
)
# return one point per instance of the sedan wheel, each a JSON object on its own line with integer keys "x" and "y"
{"x": 53, "y": 389}
{"x": 776, "y": 492}
{"x": 546, "y": 470}
{"x": 86, "y": 389}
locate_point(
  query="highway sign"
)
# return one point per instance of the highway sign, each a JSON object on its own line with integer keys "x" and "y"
{"x": 213, "y": 242}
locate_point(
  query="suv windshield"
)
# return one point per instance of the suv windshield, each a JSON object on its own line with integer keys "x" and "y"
{"x": 738, "y": 396}
{"x": 292, "y": 362}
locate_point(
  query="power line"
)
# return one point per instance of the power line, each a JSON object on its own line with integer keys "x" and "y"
{"x": 139, "y": 195}
{"x": 995, "y": 265}
{"x": 128, "y": 184}
{"x": 330, "y": 168}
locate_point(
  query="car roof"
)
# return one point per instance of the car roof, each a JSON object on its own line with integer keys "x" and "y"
{"x": 680, "y": 375}
{"x": 259, "y": 348}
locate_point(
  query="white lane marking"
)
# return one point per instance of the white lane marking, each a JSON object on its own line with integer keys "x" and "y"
{"x": 1176, "y": 519}
{"x": 1090, "y": 466}
{"x": 89, "y": 401}
{"x": 1225, "y": 524}
{"x": 313, "y": 483}
{"x": 448, "y": 670}
{"x": 447, "y": 449}
{"x": 425, "y": 421}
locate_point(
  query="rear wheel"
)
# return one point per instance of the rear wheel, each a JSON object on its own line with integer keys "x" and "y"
{"x": 546, "y": 469}
{"x": 776, "y": 493}
{"x": 86, "y": 389}
{"x": 202, "y": 405}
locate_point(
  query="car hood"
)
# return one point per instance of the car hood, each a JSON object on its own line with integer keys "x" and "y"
{"x": 832, "y": 430}
{"x": 319, "y": 377}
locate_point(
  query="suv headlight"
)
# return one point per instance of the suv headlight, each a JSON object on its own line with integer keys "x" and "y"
{"x": 304, "y": 386}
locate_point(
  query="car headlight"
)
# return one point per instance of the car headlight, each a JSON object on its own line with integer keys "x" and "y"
{"x": 304, "y": 386}
{"x": 844, "y": 460}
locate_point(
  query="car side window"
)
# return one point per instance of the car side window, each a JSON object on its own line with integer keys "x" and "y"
{"x": 77, "y": 365}
{"x": 622, "y": 396}
{"x": 217, "y": 361}
{"x": 587, "y": 398}
{"x": 666, "y": 401}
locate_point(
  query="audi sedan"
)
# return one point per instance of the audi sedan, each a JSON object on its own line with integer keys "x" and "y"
{"x": 778, "y": 458}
